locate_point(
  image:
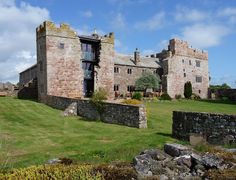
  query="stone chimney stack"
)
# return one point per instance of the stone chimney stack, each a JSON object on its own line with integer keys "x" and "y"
{"x": 136, "y": 56}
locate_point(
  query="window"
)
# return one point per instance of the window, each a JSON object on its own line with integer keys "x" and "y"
{"x": 130, "y": 88}
{"x": 116, "y": 87}
{"x": 190, "y": 63}
{"x": 116, "y": 70}
{"x": 184, "y": 70}
{"x": 129, "y": 71}
{"x": 61, "y": 45}
{"x": 199, "y": 91}
{"x": 182, "y": 60}
{"x": 198, "y": 63}
{"x": 144, "y": 70}
{"x": 184, "y": 74}
{"x": 199, "y": 79}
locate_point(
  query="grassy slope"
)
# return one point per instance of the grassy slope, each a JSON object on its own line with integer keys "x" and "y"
{"x": 32, "y": 133}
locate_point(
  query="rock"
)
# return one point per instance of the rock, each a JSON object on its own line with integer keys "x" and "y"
{"x": 176, "y": 150}
{"x": 156, "y": 154}
{"x": 196, "y": 139}
{"x": 54, "y": 161}
{"x": 142, "y": 164}
{"x": 163, "y": 177}
{"x": 212, "y": 161}
{"x": 197, "y": 159}
{"x": 157, "y": 168}
{"x": 184, "y": 160}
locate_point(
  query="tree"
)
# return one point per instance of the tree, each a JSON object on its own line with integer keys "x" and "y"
{"x": 187, "y": 89}
{"x": 148, "y": 80}
{"x": 223, "y": 86}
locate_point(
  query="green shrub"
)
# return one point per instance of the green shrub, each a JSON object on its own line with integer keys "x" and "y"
{"x": 188, "y": 90}
{"x": 137, "y": 95}
{"x": 57, "y": 171}
{"x": 195, "y": 96}
{"x": 131, "y": 101}
{"x": 224, "y": 98}
{"x": 165, "y": 96}
{"x": 178, "y": 96}
{"x": 97, "y": 99}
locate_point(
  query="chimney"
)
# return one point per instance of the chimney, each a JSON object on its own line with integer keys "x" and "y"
{"x": 136, "y": 56}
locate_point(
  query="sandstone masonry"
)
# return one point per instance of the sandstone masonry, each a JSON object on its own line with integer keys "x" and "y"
{"x": 74, "y": 66}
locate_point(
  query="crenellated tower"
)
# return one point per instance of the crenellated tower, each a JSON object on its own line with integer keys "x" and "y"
{"x": 58, "y": 61}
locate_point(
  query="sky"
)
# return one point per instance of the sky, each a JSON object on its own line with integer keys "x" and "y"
{"x": 144, "y": 24}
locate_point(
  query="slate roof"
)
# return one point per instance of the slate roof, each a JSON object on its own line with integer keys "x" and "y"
{"x": 128, "y": 60}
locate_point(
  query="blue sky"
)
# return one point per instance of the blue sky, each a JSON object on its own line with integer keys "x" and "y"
{"x": 146, "y": 24}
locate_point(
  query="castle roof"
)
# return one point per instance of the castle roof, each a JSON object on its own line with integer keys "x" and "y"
{"x": 128, "y": 60}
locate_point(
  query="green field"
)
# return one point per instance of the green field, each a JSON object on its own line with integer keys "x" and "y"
{"x": 32, "y": 133}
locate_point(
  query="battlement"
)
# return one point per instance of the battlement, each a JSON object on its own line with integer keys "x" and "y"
{"x": 49, "y": 28}
{"x": 180, "y": 47}
{"x": 108, "y": 38}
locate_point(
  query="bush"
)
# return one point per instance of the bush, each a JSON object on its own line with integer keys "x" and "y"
{"x": 195, "y": 97}
{"x": 137, "y": 95}
{"x": 97, "y": 99}
{"x": 178, "y": 96}
{"x": 165, "y": 96}
{"x": 99, "y": 95}
{"x": 57, "y": 171}
{"x": 188, "y": 90}
{"x": 131, "y": 101}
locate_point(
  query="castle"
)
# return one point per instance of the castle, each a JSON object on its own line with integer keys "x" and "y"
{"x": 74, "y": 66}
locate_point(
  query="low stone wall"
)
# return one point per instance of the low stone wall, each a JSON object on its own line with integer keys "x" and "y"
{"x": 128, "y": 115}
{"x": 215, "y": 128}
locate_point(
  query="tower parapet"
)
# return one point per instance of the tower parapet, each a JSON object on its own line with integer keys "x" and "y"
{"x": 180, "y": 47}
{"x": 108, "y": 38}
{"x": 49, "y": 28}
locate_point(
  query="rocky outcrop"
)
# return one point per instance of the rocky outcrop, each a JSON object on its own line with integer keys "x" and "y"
{"x": 177, "y": 162}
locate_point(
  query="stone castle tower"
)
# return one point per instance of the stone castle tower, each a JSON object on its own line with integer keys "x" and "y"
{"x": 181, "y": 64}
{"x": 62, "y": 61}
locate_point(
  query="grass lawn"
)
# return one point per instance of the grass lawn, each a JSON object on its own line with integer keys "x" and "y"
{"x": 32, "y": 133}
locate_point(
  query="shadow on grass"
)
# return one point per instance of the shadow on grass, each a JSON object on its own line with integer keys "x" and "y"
{"x": 217, "y": 101}
{"x": 165, "y": 134}
{"x": 28, "y": 99}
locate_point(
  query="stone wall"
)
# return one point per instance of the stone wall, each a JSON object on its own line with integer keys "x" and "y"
{"x": 215, "y": 128}
{"x": 128, "y": 115}
{"x": 28, "y": 75}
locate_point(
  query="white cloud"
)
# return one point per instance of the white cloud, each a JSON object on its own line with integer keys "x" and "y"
{"x": 229, "y": 13}
{"x": 184, "y": 14}
{"x": 205, "y": 35}
{"x": 17, "y": 37}
{"x": 87, "y": 14}
{"x": 118, "y": 22}
{"x": 155, "y": 22}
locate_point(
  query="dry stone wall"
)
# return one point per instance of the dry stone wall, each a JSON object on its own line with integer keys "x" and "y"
{"x": 128, "y": 115}
{"x": 215, "y": 128}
